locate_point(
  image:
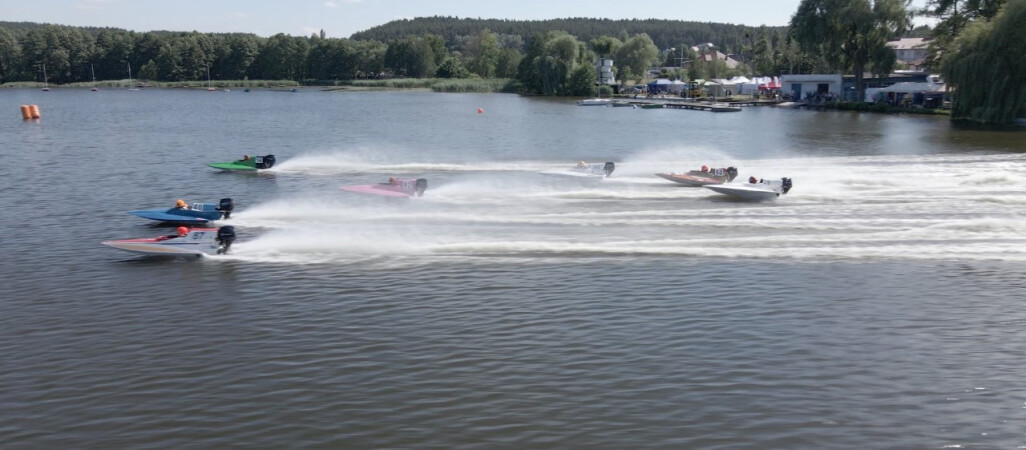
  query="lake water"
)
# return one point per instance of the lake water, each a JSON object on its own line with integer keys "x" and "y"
{"x": 877, "y": 305}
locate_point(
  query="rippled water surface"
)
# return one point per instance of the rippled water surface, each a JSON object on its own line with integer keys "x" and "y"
{"x": 877, "y": 305}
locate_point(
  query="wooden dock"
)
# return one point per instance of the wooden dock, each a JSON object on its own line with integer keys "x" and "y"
{"x": 703, "y": 106}
{"x": 727, "y": 106}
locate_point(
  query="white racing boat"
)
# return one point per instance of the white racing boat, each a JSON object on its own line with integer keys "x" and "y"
{"x": 583, "y": 169}
{"x": 757, "y": 191}
{"x": 186, "y": 242}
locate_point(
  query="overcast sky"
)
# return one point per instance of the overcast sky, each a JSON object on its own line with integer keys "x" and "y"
{"x": 342, "y": 18}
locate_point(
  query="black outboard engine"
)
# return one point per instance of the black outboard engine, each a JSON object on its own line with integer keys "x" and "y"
{"x": 225, "y": 206}
{"x": 609, "y": 168}
{"x": 420, "y": 187}
{"x": 265, "y": 163}
{"x": 225, "y": 237}
{"x": 785, "y": 184}
{"x": 731, "y": 173}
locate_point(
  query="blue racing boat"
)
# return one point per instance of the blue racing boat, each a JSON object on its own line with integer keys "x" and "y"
{"x": 182, "y": 213}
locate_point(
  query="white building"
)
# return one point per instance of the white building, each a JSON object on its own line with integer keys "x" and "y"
{"x": 605, "y": 72}
{"x": 802, "y": 86}
{"x": 911, "y": 51}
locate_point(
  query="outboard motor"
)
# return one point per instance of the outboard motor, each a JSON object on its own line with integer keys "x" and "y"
{"x": 731, "y": 173}
{"x": 225, "y": 237}
{"x": 225, "y": 206}
{"x": 609, "y": 168}
{"x": 420, "y": 187}
{"x": 265, "y": 163}
{"x": 785, "y": 184}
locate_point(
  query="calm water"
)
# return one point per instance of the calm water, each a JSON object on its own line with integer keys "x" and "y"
{"x": 878, "y": 305}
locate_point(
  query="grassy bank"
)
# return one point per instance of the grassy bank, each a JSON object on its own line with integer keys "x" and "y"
{"x": 434, "y": 84}
{"x": 884, "y": 108}
{"x": 116, "y": 84}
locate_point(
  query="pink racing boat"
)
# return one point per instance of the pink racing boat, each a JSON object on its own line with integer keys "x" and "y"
{"x": 395, "y": 187}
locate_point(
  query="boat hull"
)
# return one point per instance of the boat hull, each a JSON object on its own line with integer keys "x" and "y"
{"x": 691, "y": 180}
{"x": 376, "y": 189}
{"x": 595, "y": 170}
{"x": 200, "y": 217}
{"x": 232, "y": 167}
{"x": 752, "y": 192}
{"x": 249, "y": 164}
{"x": 396, "y": 187}
{"x": 198, "y": 242}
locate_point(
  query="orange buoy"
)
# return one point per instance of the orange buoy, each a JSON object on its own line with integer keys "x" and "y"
{"x": 26, "y": 113}
{"x": 34, "y": 110}
{"x": 480, "y": 110}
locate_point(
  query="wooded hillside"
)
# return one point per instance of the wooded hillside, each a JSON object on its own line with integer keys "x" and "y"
{"x": 664, "y": 33}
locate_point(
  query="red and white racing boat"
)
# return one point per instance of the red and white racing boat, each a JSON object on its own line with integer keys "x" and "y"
{"x": 706, "y": 176}
{"x": 186, "y": 242}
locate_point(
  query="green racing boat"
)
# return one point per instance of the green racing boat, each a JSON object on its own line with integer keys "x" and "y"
{"x": 246, "y": 164}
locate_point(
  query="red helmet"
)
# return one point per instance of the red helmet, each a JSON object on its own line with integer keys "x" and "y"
{"x": 182, "y": 231}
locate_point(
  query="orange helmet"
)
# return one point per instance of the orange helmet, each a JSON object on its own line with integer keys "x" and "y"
{"x": 180, "y": 203}
{"x": 182, "y": 231}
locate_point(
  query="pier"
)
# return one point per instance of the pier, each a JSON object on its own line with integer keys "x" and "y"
{"x": 724, "y": 106}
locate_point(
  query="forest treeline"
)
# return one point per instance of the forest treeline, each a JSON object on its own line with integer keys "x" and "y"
{"x": 444, "y": 47}
{"x": 663, "y": 33}
{"x": 977, "y": 45}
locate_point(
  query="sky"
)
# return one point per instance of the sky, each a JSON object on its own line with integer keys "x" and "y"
{"x": 342, "y": 18}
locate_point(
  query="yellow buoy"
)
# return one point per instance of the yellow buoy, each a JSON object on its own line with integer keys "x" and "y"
{"x": 26, "y": 113}
{"x": 35, "y": 111}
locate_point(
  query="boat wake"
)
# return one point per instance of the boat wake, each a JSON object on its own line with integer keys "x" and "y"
{"x": 944, "y": 207}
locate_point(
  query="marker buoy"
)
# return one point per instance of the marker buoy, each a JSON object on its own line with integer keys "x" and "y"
{"x": 480, "y": 110}
{"x": 26, "y": 113}
{"x": 34, "y": 110}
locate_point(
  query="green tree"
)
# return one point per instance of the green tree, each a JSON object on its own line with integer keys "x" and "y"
{"x": 605, "y": 46}
{"x": 10, "y": 56}
{"x": 370, "y": 59}
{"x": 282, "y": 57}
{"x": 987, "y": 69}
{"x": 451, "y": 68}
{"x": 954, "y": 16}
{"x": 560, "y": 56}
{"x": 636, "y": 55}
{"x": 850, "y": 34}
{"x": 483, "y": 52}
{"x": 328, "y": 59}
{"x": 507, "y": 63}
{"x": 582, "y": 81}
{"x": 415, "y": 56}
{"x": 527, "y": 70}
{"x": 242, "y": 51}
{"x": 147, "y": 49}
{"x": 65, "y": 51}
{"x": 112, "y": 52}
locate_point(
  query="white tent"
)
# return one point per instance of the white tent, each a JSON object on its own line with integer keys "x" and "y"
{"x": 905, "y": 88}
